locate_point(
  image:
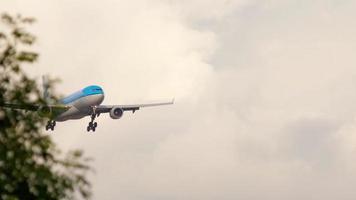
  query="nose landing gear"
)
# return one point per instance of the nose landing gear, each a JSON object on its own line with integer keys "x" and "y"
{"x": 92, "y": 125}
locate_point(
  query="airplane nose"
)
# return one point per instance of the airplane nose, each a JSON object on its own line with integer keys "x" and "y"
{"x": 101, "y": 98}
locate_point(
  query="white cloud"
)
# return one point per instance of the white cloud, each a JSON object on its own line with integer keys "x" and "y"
{"x": 205, "y": 9}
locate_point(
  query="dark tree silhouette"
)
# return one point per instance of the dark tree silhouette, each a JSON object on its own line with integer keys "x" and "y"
{"x": 31, "y": 166}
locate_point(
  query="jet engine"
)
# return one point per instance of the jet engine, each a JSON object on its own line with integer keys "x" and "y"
{"x": 44, "y": 111}
{"x": 116, "y": 112}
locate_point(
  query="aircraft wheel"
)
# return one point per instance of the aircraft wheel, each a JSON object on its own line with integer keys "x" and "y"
{"x": 52, "y": 128}
{"x": 95, "y": 124}
{"x": 93, "y": 129}
{"x": 47, "y": 128}
{"x": 88, "y": 128}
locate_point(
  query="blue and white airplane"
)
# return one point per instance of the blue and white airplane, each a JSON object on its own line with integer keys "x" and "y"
{"x": 85, "y": 102}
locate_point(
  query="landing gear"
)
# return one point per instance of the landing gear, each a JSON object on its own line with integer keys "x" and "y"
{"x": 92, "y": 125}
{"x": 50, "y": 125}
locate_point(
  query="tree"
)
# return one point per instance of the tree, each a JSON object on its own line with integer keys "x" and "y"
{"x": 31, "y": 166}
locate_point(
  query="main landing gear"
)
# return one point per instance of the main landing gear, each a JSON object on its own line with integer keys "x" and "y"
{"x": 50, "y": 125}
{"x": 92, "y": 125}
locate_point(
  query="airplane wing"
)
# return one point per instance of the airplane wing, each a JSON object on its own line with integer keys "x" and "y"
{"x": 29, "y": 107}
{"x": 132, "y": 107}
{"x": 33, "y": 107}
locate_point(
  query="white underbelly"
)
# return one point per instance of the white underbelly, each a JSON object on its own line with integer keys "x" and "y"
{"x": 81, "y": 107}
{"x": 72, "y": 113}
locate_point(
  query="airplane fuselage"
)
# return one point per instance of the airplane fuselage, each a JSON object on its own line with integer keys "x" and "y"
{"x": 81, "y": 102}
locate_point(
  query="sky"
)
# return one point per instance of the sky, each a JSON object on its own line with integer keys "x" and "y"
{"x": 264, "y": 94}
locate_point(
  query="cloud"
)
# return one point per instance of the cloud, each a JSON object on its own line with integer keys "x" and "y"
{"x": 265, "y": 103}
{"x": 206, "y": 9}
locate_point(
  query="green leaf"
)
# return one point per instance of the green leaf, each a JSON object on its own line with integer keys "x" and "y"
{"x": 24, "y": 56}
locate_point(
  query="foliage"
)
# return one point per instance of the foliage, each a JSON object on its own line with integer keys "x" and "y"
{"x": 31, "y": 167}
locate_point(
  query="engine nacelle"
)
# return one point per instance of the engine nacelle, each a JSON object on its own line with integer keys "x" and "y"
{"x": 116, "y": 112}
{"x": 45, "y": 111}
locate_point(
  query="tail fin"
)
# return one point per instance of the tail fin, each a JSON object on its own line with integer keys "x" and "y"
{"x": 45, "y": 87}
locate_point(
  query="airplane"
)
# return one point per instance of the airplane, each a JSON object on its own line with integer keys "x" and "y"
{"x": 85, "y": 102}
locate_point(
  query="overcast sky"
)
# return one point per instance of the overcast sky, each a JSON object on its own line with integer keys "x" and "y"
{"x": 265, "y": 94}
